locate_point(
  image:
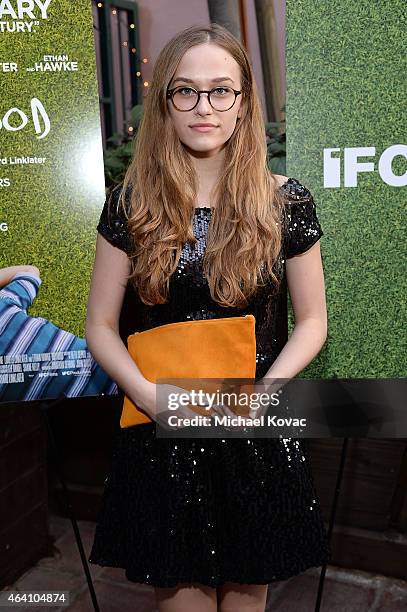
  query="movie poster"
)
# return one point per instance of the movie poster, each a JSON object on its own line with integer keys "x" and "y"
{"x": 51, "y": 192}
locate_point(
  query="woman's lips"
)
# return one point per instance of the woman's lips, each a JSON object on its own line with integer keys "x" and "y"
{"x": 206, "y": 128}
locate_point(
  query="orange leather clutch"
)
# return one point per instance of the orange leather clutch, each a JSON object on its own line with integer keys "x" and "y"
{"x": 207, "y": 348}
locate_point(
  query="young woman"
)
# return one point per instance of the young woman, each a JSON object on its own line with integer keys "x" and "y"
{"x": 198, "y": 220}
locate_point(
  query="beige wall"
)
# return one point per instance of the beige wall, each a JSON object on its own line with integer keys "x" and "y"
{"x": 279, "y": 11}
{"x": 160, "y": 20}
{"x": 254, "y": 49}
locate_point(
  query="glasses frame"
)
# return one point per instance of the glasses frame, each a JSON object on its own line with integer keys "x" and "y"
{"x": 170, "y": 93}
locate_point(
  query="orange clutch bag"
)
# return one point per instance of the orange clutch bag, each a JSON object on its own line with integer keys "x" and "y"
{"x": 207, "y": 348}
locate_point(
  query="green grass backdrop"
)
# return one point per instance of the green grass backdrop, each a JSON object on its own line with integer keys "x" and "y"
{"x": 346, "y": 70}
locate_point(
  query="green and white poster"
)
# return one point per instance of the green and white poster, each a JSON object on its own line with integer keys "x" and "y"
{"x": 51, "y": 192}
{"x": 346, "y": 140}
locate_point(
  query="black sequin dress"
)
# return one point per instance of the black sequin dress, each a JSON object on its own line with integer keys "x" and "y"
{"x": 212, "y": 510}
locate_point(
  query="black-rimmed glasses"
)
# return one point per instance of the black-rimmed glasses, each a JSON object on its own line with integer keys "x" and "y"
{"x": 187, "y": 98}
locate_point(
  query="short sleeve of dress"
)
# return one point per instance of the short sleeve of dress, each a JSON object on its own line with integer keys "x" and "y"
{"x": 302, "y": 226}
{"x": 113, "y": 221}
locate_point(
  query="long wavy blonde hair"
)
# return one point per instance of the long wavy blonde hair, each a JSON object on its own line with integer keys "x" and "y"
{"x": 244, "y": 236}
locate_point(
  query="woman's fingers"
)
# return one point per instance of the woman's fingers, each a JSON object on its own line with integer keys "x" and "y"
{"x": 181, "y": 411}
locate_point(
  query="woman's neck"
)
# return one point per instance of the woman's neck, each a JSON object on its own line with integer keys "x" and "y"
{"x": 208, "y": 170}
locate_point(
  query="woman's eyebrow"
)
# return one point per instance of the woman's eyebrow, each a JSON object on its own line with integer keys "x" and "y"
{"x": 217, "y": 80}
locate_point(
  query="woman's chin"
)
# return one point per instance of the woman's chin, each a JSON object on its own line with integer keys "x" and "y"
{"x": 202, "y": 150}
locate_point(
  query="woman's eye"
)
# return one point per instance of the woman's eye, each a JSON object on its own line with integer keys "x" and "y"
{"x": 220, "y": 90}
{"x": 185, "y": 91}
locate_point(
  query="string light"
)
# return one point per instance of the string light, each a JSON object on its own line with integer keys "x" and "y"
{"x": 100, "y": 4}
{"x": 125, "y": 43}
{"x": 145, "y": 83}
{"x": 145, "y": 60}
{"x": 138, "y": 73}
{"x": 132, "y": 26}
{"x": 114, "y": 12}
{"x": 133, "y": 50}
{"x": 131, "y": 129}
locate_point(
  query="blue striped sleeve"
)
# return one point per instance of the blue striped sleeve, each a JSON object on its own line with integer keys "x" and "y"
{"x": 21, "y": 290}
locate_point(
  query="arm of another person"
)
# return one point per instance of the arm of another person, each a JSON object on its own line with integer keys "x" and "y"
{"x": 108, "y": 285}
{"x": 305, "y": 281}
{"x": 7, "y": 274}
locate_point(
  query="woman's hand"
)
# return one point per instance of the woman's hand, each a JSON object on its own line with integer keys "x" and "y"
{"x": 151, "y": 401}
{"x": 259, "y": 391}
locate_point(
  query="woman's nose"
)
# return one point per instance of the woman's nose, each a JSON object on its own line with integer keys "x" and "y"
{"x": 203, "y": 104}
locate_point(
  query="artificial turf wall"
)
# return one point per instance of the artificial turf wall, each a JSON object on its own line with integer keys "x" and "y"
{"x": 346, "y": 71}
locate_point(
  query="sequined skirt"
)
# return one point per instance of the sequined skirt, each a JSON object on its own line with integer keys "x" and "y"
{"x": 209, "y": 511}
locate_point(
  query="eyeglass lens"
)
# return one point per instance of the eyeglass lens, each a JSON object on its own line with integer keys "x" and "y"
{"x": 220, "y": 98}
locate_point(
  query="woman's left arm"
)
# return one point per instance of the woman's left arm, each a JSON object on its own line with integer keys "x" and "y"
{"x": 305, "y": 281}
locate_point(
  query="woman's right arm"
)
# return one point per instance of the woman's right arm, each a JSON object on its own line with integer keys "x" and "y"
{"x": 108, "y": 285}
